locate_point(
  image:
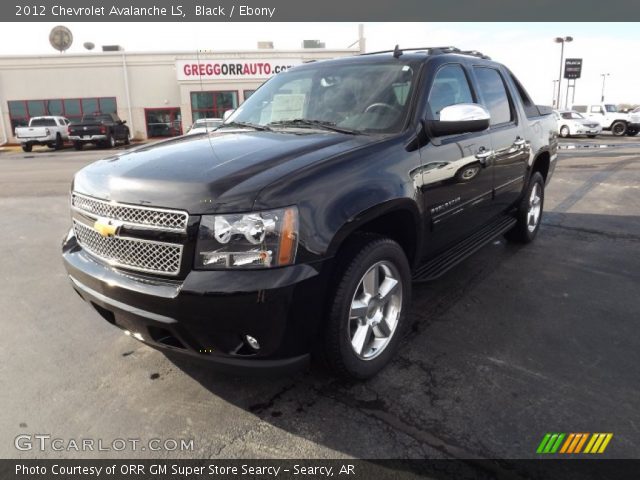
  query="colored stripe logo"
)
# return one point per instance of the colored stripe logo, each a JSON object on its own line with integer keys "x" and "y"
{"x": 572, "y": 443}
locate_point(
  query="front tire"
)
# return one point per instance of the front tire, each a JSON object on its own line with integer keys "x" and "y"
{"x": 77, "y": 145}
{"x": 632, "y": 132}
{"x": 592, "y": 136}
{"x": 529, "y": 214}
{"x": 27, "y": 147}
{"x": 619, "y": 128}
{"x": 111, "y": 142}
{"x": 368, "y": 308}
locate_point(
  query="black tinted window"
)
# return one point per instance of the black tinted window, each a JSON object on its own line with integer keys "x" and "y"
{"x": 494, "y": 95}
{"x": 43, "y": 122}
{"x": 450, "y": 87}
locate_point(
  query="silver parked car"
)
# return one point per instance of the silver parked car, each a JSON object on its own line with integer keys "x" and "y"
{"x": 203, "y": 125}
{"x": 572, "y": 123}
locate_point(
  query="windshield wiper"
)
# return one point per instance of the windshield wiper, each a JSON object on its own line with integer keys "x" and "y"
{"x": 296, "y": 122}
{"x": 255, "y": 126}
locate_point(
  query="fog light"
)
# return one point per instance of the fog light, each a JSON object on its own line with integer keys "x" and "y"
{"x": 253, "y": 343}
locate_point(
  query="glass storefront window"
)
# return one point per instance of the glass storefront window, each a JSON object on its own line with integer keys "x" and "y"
{"x": 17, "y": 109}
{"x": 108, "y": 105}
{"x": 90, "y": 105}
{"x": 36, "y": 108}
{"x": 72, "y": 107}
{"x": 163, "y": 122}
{"x": 212, "y": 104}
{"x": 54, "y": 107}
{"x": 20, "y": 111}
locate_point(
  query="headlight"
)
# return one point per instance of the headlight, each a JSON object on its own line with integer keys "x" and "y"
{"x": 250, "y": 240}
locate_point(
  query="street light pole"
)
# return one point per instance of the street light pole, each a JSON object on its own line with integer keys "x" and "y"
{"x": 561, "y": 41}
{"x": 553, "y": 98}
{"x": 604, "y": 76}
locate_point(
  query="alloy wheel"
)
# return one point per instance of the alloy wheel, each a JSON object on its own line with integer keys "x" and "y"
{"x": 375, "y": 310}
{"x": 535, "y": 207}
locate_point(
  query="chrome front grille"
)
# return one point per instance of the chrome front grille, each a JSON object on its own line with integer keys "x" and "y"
{"x": 157, "y": 218}
{"x": 142, "y": 251}
{"x": 136, "y": 254}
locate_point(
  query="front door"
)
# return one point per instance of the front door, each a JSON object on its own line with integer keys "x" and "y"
{"x": 456, "y": 171}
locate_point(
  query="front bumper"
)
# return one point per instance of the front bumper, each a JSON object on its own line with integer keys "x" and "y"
{"x": 209, "y": 313}
{"x": 584, "y": 130}
{"x": 87, "y": 138}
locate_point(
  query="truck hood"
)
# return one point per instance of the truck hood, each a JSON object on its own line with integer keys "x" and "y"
{"x": 222, "y": 171}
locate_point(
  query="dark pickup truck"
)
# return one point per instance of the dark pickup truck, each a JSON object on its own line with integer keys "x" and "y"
{"x": 103, "y": 130}
{"x": 299, "y": 225}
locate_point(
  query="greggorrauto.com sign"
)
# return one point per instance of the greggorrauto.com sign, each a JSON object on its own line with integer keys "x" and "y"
{"x": 232, "y": 69}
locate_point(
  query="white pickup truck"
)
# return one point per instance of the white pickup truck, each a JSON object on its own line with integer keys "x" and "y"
{"x": 50, "y": 131}
{"x": 608, "y": 116}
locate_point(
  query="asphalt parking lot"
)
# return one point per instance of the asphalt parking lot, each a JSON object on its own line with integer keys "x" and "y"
{"x": 511, "y": 344}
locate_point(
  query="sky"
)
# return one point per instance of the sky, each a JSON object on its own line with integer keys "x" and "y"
{"x": 527, "y": 49}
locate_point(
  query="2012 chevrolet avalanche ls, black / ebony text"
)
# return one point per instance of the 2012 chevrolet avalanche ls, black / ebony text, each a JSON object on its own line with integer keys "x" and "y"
{"x": 300, "y": 224}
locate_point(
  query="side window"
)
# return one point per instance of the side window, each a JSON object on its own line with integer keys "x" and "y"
{"x": 450, "y": 87}
{"x": 596, "y": 109}
{"x": 494, "y": 95}
{"x": 580, "y": 108}
{"x": 530, "y": 108}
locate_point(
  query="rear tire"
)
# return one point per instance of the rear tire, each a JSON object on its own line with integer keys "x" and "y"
{"x": 77, "y": 145}
{"x": 619, "y": 128}
{"x": 564, "y": 131}
{"x": 110, "y": 142}
{"x": 632, "y": 132}
{"x": 529, "y": 214}
{"x": 367, "y": 310}
{"x": 27, "y": 147}
{"x": 592, "y": 136}
{"x": 58, "y": 144}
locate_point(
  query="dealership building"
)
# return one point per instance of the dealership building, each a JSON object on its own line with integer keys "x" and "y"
{"x": 158, "y": 94}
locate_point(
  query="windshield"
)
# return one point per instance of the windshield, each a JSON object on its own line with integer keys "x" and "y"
{"x": 571, "y": 115}
{"x": 611, "y": 108}
{"x": 360, "y": 97}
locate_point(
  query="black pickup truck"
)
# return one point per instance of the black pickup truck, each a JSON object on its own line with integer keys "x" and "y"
{"x": 104, "y": 130}
{"x": 299, "y": 225}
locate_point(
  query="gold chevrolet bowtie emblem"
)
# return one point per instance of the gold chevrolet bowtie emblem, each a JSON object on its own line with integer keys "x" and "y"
{"x": 106, "y": 228}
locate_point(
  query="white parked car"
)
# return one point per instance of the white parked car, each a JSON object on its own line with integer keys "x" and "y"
{"x": 572, "y": 123}
{"x": 204, "y": 125}
{"x": 50, "y": 130}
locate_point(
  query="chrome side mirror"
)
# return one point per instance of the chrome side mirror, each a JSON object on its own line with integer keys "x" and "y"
{"x": 459, "y": 119}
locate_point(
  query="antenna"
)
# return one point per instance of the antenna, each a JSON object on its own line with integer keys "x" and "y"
{"x": 397, "y": 52}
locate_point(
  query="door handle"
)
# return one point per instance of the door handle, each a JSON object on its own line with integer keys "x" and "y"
{"x": 519, "y": 142}
{"x": 482, "y": 155}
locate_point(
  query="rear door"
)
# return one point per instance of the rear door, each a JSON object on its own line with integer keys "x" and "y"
{"x": 511, "y": 149}
{"x": 455, "y": 176}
